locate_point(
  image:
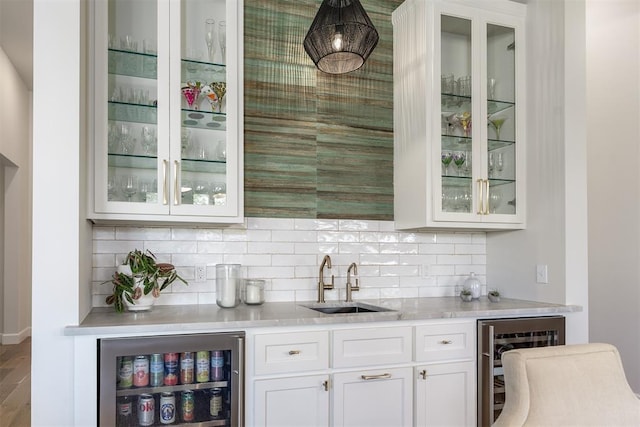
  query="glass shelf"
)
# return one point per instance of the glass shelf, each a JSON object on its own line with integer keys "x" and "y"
{"x": 125, "y": 112}
{"x": 463, "y": 143}
{"x": 458, "y": 104}
{"x": 134, "y": 391}
{"x": 463, "y": 181}
{"x": 133, "y": 64}
{"x": 204, "y": 119}
{"x": 133, "y": 161}
{"x": 205, "y": 72}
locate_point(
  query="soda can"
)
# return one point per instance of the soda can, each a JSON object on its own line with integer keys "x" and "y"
{"x": 125, "y": 373}
{"x": 146, "y": 410}
{"x": 167, "y": 408}
{"x": 186, "y": 367}
{"x": 217, "y": 365}
{"x": 202, "y": 366}
{"x": 171, "y": 370}
{"x": 215, "y": 403}
{"x": 141, "y": 371}
{"x": 188, "y": 405}
{"x": 156, "y": 370}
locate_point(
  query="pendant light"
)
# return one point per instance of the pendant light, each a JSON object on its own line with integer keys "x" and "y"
{"x": 341, "y": 37}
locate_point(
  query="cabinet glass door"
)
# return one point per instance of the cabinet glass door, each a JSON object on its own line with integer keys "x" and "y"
{"x": 200, "y": 164}
{"x": 501, "y": 115}
{"x": 456, "y": 109}
{"x": 131, "y": 152}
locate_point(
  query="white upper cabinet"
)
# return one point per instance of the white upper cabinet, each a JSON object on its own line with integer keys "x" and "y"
{"x": 167, "y": 91}
{"x": 459, "y": 114}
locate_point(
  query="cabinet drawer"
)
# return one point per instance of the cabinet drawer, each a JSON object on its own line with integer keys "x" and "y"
{"x": 363, "y": 347}
{"x": 291, "y": 352}
{"x": 447, "y": 341}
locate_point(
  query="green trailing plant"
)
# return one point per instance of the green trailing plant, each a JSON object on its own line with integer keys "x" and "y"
{"x": 494, "y": 293}
{"x": 152, "y": 276}
{"x": 465, "y": 292}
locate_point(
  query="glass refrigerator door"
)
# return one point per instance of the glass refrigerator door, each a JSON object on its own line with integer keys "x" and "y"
{"x": 190, "y": 379}
{"x": 501, "y": 116}
{"x": 456, "y": 109}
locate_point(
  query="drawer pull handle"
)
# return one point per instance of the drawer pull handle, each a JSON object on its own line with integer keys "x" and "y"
{"x": 446, "y": 342}
{"x": 293, "y": 352}
{"x": 376, "y": 377}
{"x": 325, "y": 385}
{"x": 423, "y": 374}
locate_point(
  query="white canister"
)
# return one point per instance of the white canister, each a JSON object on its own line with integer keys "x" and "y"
{"x": 473, "y": 284}
{"x": 253, "y": 291}
{"x": 228, "y": 280}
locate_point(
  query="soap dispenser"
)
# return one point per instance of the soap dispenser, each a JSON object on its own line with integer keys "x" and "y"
{"x": 473, "y": 284}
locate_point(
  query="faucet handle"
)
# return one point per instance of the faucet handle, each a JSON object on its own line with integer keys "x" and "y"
{"x": 330, "y": 285}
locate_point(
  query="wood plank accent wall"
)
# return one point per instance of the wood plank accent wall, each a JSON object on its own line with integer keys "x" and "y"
{"x": 316, "y": 145}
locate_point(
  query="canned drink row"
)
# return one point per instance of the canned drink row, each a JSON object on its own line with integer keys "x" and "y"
{"x": 160, "y": 369}
{"x": 169, "y": 408}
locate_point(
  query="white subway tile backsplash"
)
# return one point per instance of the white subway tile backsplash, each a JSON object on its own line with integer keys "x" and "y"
{"x": 287, "y": 253}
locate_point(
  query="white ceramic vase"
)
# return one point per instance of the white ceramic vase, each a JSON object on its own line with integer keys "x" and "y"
{"x": 145, "y": 302}
{"x": 473, "y": 284}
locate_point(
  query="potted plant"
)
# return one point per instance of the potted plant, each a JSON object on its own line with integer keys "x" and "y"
{"x": 139, "y": 280}
{"x": 494, "y": 295}
{"x": 466, "y": 295}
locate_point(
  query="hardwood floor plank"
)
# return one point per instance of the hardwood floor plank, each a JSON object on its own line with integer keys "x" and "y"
{"x": 15, "y": 384}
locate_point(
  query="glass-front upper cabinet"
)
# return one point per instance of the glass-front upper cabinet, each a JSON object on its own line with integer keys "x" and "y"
{"x": 168, "y": 111}
{"x": 459, "y": 119}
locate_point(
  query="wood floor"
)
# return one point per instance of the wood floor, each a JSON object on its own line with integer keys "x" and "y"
{"x": 15, "y": 384}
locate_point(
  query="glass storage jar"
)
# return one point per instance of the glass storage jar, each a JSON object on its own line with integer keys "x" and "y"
{"x": 228, "y": 281}
{"x": 253, "y": 291}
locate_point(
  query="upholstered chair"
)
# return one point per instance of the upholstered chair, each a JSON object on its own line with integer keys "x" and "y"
{"x": 574, "y": 385}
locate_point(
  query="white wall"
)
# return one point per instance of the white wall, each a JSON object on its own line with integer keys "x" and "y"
{"x": 15, "y": 152}
{"x": 613, "y": 75}
{"x": 556, "y": 179}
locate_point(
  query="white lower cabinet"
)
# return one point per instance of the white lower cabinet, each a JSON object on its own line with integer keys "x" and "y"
{"x": 391, "y": 375}
{"x": 294, "y": 402}
{"x": 373, "y": 397}
{"x": 444, "y": 395}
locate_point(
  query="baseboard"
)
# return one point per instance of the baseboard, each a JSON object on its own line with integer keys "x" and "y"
{"x": 8, "y": 339}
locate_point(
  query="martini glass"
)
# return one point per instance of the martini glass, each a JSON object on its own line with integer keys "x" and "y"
{"x": 497, "y": 123}
{"x": 209, "y": 36}
{"x": 220, "y": 89}
{"x": 465, "y": 122}
{"x": 191, "y": 93}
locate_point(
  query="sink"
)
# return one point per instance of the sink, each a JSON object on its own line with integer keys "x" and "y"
{"x": 342, "y": 308}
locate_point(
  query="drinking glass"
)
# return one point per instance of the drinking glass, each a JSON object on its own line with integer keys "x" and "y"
{"x": 491, "y": 88}
{"x": 191, "y": 93}
{"x": 228, "y": 280}
{"x": 465, "y": 122}
{"x": 127, "y": 144}
{"x": 446, "y": 158}
{"x": 209, "y": 37}
{"x": 222, "y": 39}
{"x": 220, "y": 89}
{"x": 129, "y": 185}
{"x": 499, "y": 162}
{"x": 458, "y": 159}
{"x": 149, "y": 141}
{"x": 497, "y": 122}
{"x": 185, "y": 142}
{"x": 491, "y": 164}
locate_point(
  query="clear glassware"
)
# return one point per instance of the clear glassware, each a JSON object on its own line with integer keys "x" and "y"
{"x": 222, "y": 39}
{"x": 228, "y": 282}
{"x": 209, "y": 37}
{"x": 252, "y": 291}
{"x": 149, "y": 141}
{"x": 129, "y": 186}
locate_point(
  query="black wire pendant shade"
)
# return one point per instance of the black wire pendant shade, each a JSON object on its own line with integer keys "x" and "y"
{"x": 341, "y": 37}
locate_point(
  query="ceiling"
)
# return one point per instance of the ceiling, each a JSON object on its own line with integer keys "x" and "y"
{"x": 16, "y": 36}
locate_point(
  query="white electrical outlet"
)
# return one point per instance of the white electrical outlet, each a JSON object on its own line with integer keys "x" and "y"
{"x": 201, "y": 273}
{"x": 542, "y": 273}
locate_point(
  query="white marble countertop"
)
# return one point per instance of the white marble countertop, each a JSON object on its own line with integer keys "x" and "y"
{"x": 211, "y": 318}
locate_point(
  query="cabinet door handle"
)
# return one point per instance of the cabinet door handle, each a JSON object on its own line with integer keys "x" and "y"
{"x": 325, "y": 385}
{"x": 486, "y": 195}
{"x": 423, "y": 374}
{"x": 480, "y": 197}
{"x": 376, "y": 377}
{"x": 293, "y": 352}
{"x": 175, "y": 182}
{"x": 446, "y": 342}
{"x": 164, "y": 182}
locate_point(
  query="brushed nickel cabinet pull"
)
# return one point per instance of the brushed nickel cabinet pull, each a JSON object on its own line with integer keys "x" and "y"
{"x": 164, "y": 182}
{"x": 293, "y": 352}
{"x": 446, "y": 342}
{"x": 376, "y": 377}
{"x": 423, "y": 374}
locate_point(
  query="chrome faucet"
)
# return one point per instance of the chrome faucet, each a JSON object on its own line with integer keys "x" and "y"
{"x": 350, "y": 287}
{"x": 321, "y": 285}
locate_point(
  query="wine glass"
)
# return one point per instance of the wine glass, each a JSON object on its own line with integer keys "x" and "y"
{"x": 129, "y": 185}
{"x": 491, "y": 163}
{"x": 220, "y": 89}
{"x": 458, "y": 159}
{"x": 222, "y": 39}
{"x": 497, "y": 123}
{"x": 499, "y": 162}
{"x": 209, "y": 36}
{"x": 149, "y": 142}
{"x": 185, "y": 141}
{"x": 127, "y": 145}
{"x": 446, "y": 158}
{"x": 495, "y": 199}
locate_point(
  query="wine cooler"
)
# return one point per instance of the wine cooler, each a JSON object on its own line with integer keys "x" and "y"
{"x": 498, "y": 336}
{"x": 189, "y": 380}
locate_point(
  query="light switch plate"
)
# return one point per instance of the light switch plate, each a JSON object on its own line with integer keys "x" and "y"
{"x": 542, "y": 273}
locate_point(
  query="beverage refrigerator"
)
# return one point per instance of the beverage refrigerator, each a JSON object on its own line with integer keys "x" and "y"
{"x": 194, "y": 380}
{"x": 499, "y": 335}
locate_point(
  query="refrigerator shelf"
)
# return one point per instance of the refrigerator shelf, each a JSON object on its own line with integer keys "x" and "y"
{"x": 134, "y": 391}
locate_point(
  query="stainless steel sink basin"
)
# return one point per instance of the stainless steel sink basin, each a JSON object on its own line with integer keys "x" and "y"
{"x": 342, "y": 308}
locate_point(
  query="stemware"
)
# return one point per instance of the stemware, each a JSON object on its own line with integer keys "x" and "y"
{"x": 209, "y": 36}
{"x": 222, "y": 39}
{"x": 495, "y": 199}
{"x": 499, "y": 162}
{"x": 210, "y": 96}
{"x": 465, "y": 122}
{"x": 129, "y": 186}
{"x": 446, "y": 158}
{"x": 185, "y": 141}
{"x": 459, "y": 159}
{"x": 191, "y": 93}
{"x": 127, "y": 144}
{"x": 220, "y": 89}
{"x": 149, "y": 141}
{"x": 497, "y": 123}
{"x": 491, "y": 163}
